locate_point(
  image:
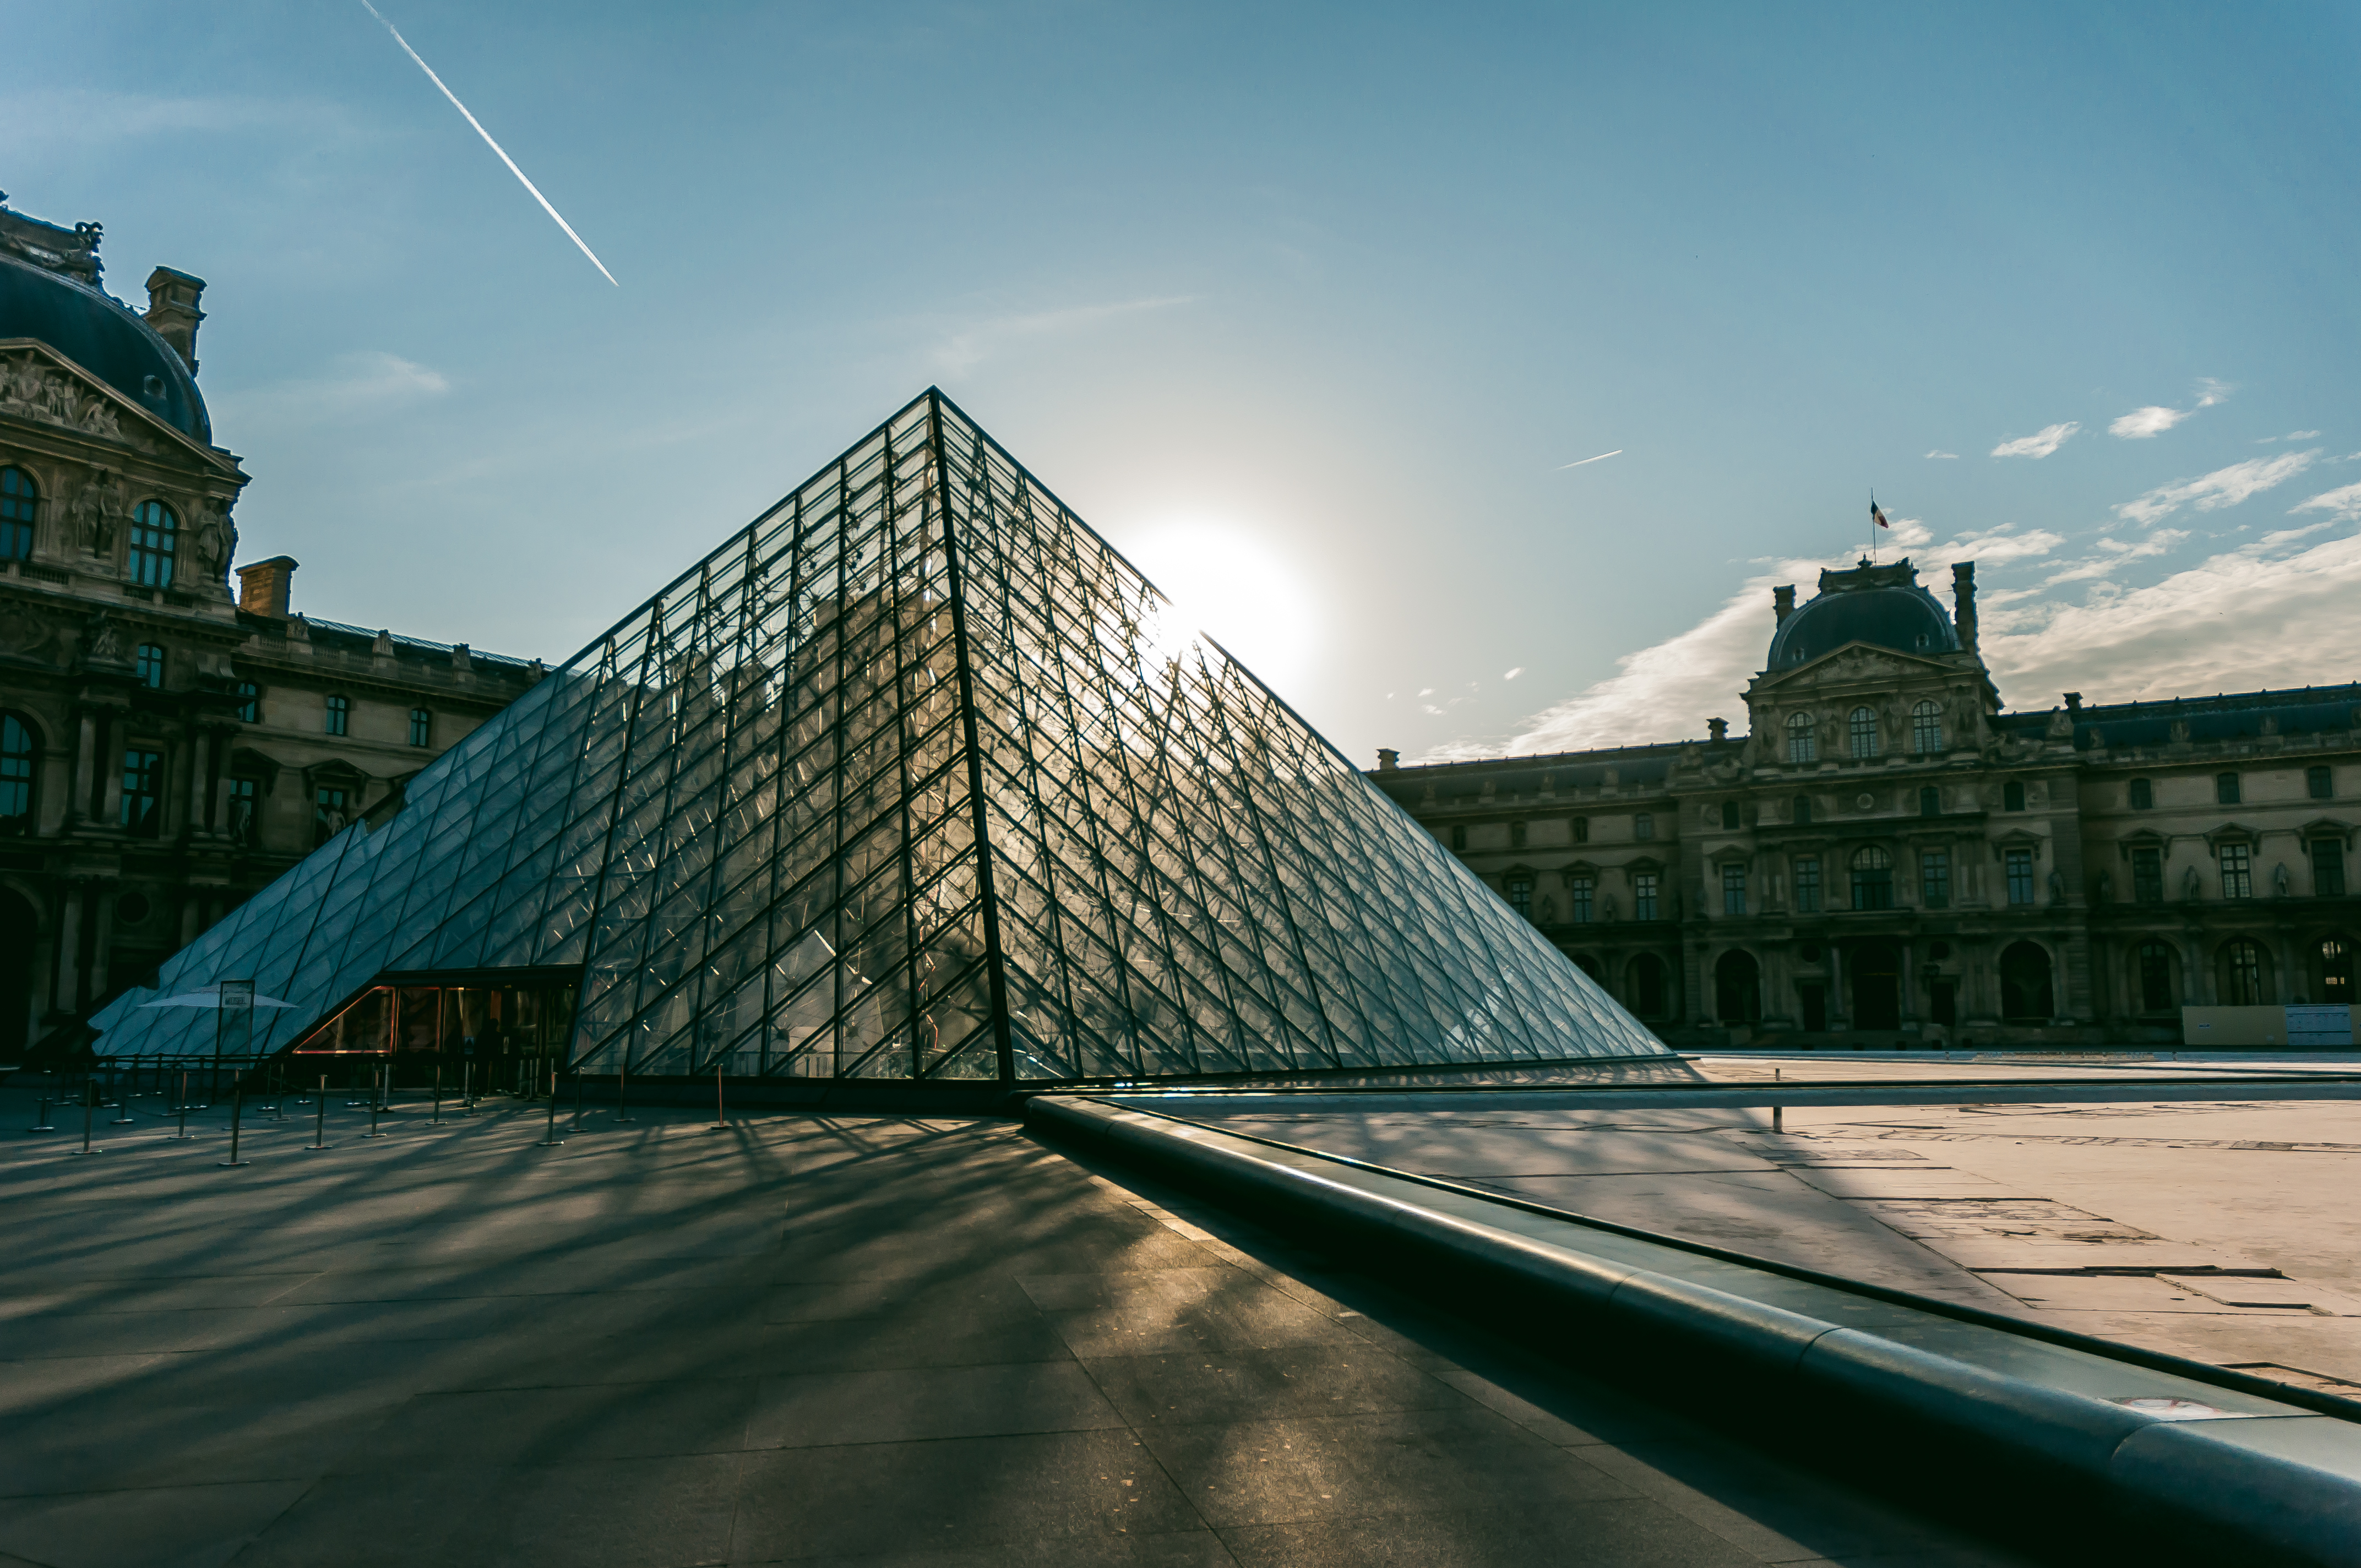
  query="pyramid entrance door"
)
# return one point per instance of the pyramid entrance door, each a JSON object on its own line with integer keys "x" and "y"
{"x": 914, "y": 779}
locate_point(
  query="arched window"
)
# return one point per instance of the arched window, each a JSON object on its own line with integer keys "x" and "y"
{"x": 155, "y": 538}
{"x": 149, "y": 663}
{"x": 20, "y": 756}
{"x": 2143, "y": 794}
{"x": 2245, "y": 977}
{"x": 1872, "y": 878}
{"x": 1925, "y": 728}
{"x": 1647, "y": 978}
{"x": 1861, "y": 728}
{"x": 18, "y": 499}
{"x": 2152, "y": 964}
{"x": 1738, "y": 988}
{"x": 2025, "y": 994}
{"x": 1803, "y": 741}
{"x": 2335, "y": 956}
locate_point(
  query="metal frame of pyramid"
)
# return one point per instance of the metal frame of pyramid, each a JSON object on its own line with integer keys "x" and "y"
{"x": 915, "y": 778}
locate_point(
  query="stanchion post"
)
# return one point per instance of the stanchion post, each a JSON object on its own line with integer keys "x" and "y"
{"x": 623, "y": 1084}
{"x": 466, "y": 1088}
{"x": 41, "y": 1116}
{"x": 577, "y": 1102}
{"x": 438, "y": 1092}
{"x": 123, "y": 1116}
{"x": 184, "y": 1108}
{"x": 237, "y": 1106}
{"x": 720, "y": 1113}
{"x": 320, "y": 1124}
{"x": 89, "y": 1109}
{"x": 549, "y": 1139}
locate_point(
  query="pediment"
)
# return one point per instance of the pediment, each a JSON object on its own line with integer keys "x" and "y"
{"x": 1856, "y": 663}
{"x": 39, "y": 384}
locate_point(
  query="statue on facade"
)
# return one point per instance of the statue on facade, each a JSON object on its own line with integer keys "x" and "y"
{"x": 213, "y": 542}
{"x": 2106, "y": 888}
{"x": 90, "y": 521}
{"x": 102, "y": 643}
{"x": 2279, "y": 880}
{"x": 2189, "y": 888}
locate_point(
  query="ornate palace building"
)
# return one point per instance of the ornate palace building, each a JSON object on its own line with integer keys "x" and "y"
{"x": 164, "y": 751}
{"x": 1888, "y": 857}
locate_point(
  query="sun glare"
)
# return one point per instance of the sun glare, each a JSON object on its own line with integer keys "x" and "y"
{"x": 1224, "y": 581}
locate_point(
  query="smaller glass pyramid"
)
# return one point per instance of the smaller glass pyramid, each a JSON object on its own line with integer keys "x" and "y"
{"x": 914, "y": 778}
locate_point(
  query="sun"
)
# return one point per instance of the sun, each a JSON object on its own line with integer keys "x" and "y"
{"x": 1225, "y": 579}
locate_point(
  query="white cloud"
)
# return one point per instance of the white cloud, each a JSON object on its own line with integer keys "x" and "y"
{"x": 2041, "y": 443}
{"x": 2290, "y": 435}
{"x": 964, "y": 349}
{"x": 367, "y": 384}
{"x": 1953, "y": 454}
{"x": 2153, "y": 419}
{"x": 2211, "y": 391}
{"x": 1512, "y": 675}
{"x": 2222, "y": 488}
{"x": 2343, "y": 504}
{"x": 1991, "y": 546}
{"x": 2113, "y": 553}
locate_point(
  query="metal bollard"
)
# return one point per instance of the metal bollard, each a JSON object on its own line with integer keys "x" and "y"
{"x": 550, "y": 1139}
{"x": 623, "y": 1087}
{"x": 577, "y": 1102}
{"x": 721, "y": 1114}
{"x": 182, "y": 1133}
{"x": 372, "y": 1133}
{"x": 438, "y": 1094}
{"x": 466, "y": 1088}
{"x": 236, "y": 1105}
{"x": 123, "y": 1116}
{"x": 41, "y": 1117}
{"x": 320, "y": 1126}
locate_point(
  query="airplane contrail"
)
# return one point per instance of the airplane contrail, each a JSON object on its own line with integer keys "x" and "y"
{"x": 1561, "y": 467}
{"x": 490, "y": 142}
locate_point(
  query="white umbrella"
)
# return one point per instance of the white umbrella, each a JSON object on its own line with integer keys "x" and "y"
{"x": 209, "y": 997}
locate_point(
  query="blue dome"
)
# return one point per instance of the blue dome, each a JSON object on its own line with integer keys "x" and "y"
{"x": 1888, "y": 608}
{"x": 104, "y": 337}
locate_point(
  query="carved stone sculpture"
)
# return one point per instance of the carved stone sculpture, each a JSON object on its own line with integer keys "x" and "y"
{"x": 102, "y": 643}
{"x": 88, "y": 526}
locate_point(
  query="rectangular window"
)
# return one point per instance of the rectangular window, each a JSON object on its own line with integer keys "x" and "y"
{"x": 249, "y": 703}
{"x": 1520, "y": 896}
{"x": 1578, "y": 891}
{"x": 245, "y": 797}
{"x": 2143, "y": 794}
{"x": 340, "y": 715}
{"x": 2319, "y": 784}
{"x": 1643, "y": 826}
{"x": 1733, "y": 890}
{"x": 2226, "y": 789}
{"x": 2147, "y": 875}
{"x": 2019, "y": 864}
{"x": 143, "y": 785}
{"x": 2012, "y": 796}
{"x": 1934, "y": 878}
{"x": 327, "y": 814}
{"x": 148, "y": 663}
{"x": 1808, "y": 884}
{"x": 2327, "y": 867}
{"x": 2237, "y": 870}
{"x": 1582, "y": 829}
{"x": 422, "y": 731}
{"x": 1643, "y": 896}
{"x": 418, "y": 738}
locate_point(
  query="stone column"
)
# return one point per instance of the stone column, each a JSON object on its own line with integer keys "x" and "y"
{"x": 84, "y": 784}
{"x": 102, "y": 942}
{"x": 110, "y": 811}
{"x": 200, "y": 766}
{"x": 69, "y": 988}
{"x": 1909, "y": 985}
{"x": 1839, "y": 1015}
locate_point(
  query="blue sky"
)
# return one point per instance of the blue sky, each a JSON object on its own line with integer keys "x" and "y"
{"x": 1306, "y": 307}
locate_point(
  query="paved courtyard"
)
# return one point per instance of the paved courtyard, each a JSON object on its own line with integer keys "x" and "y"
{"x": 801, "y": 1338}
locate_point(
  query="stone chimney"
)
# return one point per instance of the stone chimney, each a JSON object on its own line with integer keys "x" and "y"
{"x": 173, "y": 311}
{"x": 263, "y": 587}
{"x": 1964, "y": 602}
{"x": 1782, "y": 603}
{"x": 1717, "y": 730}
{"x": 1388, "y": 761}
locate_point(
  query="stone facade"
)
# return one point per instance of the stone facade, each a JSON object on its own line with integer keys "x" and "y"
{"x": 1889, "y": 857}
{"x": 164, "y": 752}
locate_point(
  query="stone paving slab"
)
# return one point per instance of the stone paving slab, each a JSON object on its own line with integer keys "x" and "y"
{"x": 803, "y": 1339}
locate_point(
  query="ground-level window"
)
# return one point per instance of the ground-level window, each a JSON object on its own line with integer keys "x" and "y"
{"x": 1872, "y": 878}
{"x": 2154, "y": 962}
{"x": 1648, "y": 985}
{"x": 2242, "y": 973}
{"x": 2336, "y": 971}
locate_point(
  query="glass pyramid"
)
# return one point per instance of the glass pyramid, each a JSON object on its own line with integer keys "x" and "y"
{"x": 914, "y": 778}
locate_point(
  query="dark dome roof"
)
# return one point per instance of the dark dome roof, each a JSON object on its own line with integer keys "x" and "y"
{"x": 1903, "y": 617}
{"x": 105, "y": 338}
